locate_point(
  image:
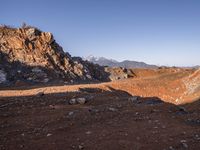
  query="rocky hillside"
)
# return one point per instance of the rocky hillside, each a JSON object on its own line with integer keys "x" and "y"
{"x": 192, "y": 83}
{"x": 113, "y": 63}
{"x": 28, "y": 55}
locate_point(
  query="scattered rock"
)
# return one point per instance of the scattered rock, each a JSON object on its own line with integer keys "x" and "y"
{"x": 80, "y": 147}
{"x": 137, "y": 113}
{"x": 112, "y": 109}
{"x": 52, "y": 106}
{"x": 81, "y": 100}
{"x": 70, "y": 113}
{"x": 183, "y": 141}
{"x": 49, "y": 134}
{"x": 88, "y": 132}
{"x": 72, "y": 101}
{"x": 185, "y": 145}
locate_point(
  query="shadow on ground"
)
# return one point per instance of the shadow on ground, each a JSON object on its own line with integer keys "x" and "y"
{"x": 111, "y": 119}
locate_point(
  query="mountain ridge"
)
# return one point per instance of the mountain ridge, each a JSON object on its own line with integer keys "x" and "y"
{"x": 102, "y": 61}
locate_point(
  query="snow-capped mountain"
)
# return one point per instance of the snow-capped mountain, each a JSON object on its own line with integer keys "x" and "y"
{"x": 113, "y": 63}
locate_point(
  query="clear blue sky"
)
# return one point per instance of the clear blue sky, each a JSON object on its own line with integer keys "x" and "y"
{"x": 164, "y": 32}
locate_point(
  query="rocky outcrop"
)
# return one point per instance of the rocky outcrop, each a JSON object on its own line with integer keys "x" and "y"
{"x": 118, "y": 73}
{"x": 32, "y": 55}
{"x": 29, "y": 55}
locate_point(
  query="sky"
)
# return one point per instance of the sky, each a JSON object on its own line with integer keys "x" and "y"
{"x": 161, "y": 32}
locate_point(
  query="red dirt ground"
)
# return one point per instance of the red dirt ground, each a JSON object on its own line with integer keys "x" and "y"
{"x": 165, "y": 116}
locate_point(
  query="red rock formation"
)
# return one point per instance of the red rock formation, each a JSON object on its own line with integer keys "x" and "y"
{"x": 35, "y": 48}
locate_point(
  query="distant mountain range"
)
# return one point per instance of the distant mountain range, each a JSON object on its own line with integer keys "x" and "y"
{"x": 113, "y": 63}
{"x": 197, "y": 66}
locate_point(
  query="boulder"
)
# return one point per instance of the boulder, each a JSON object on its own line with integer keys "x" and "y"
{"x": 72, "y": 101}
{"x": 41, "y": 59}
{"x": 80, "y": 100}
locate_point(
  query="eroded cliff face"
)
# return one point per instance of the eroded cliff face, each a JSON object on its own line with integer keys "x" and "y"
{"x": 30, "y": 54}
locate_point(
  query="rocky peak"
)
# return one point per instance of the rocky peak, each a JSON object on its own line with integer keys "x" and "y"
{"x": 30, "y": 55}
{"x": 33, "y": 48}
